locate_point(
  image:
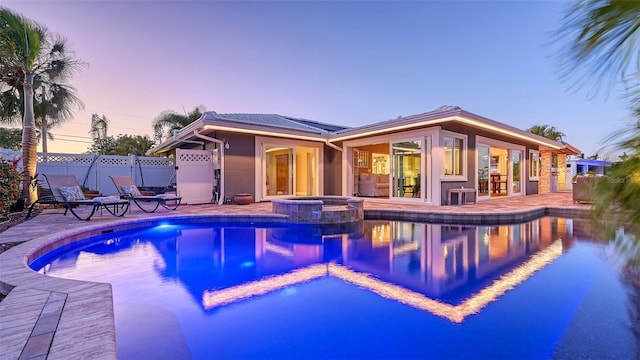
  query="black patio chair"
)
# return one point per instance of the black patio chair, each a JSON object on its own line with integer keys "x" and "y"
{"x": 147, "y": 203}
{"x": 66, "y": 190}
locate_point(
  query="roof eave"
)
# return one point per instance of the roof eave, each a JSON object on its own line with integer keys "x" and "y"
{"x": 429, "y": 119}
{"x": 512, "y": 131}
{"x": 409, "y": 122}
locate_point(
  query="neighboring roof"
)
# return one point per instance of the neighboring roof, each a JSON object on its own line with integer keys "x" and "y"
{"x": 303, "y": 128}
{"x": 591, "y": 162}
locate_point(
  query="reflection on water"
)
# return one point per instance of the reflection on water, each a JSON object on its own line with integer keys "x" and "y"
{"x": 416, "y": 264}
{"x": 451, "y": 271}
{"x": 449, "y": 262}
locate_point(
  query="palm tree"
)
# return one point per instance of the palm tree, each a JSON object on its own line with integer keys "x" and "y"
{"x": 55, "y": 105}
{"x": 169, "y": 120}
{"x": 31, "y": 58}
{"x": 99, "y": 127}
{"x": 20, "y": 45}
{"x": 54, "y": 100}
{"x": 548, "y": 131}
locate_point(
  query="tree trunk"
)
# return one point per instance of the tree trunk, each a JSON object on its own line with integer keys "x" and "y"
{"x": 44, "y": 131}
{"x": 29, "y": 142}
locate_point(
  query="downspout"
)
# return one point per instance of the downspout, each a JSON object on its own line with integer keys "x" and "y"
{"x": 221, "y": 147}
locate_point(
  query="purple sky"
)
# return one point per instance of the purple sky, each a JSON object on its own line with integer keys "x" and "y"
{"x": 348, "y": 63}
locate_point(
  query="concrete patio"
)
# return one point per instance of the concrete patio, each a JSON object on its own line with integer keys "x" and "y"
{"x": 50, "y": 318}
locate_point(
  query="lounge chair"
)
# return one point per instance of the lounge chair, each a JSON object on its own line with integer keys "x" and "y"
{"x": 66, "y": 190}
{"x": 147, "y": 203}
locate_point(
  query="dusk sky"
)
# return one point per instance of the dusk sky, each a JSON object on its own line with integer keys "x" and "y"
{"x": 349, "y": 63}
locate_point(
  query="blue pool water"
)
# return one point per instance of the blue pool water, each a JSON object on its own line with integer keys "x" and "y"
{"x": 392, "y": 290}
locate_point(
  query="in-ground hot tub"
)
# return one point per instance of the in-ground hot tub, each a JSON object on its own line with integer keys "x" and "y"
{"x": 320, "y": 209}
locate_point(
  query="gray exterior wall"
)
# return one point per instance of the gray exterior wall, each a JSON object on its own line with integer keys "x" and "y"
{"x": 239, "y": 163}
{"x": 332, "y": 171}
{"x": 530, "y": 187}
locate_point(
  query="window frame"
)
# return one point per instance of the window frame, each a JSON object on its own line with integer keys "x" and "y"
{"x": 262, "y": 142}
{"x": 465, "y": 153}
{"x": 534, "y": 159}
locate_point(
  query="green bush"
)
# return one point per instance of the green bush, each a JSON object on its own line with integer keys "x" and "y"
{"x": 9, "y": 185}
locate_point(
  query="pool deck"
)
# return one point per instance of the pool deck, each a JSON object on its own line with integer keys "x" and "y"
{"x": 50, "y": 318}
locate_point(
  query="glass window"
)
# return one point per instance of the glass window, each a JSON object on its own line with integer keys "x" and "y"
{"x": 515, "y": 161}
{"x": 453, "y": 155}
{"x": 380, "y": 164}
{"x": 306, "y": 171}
{"x": 483, "y": 170}
{"x": 279, "y": 170}
{"x": 534, "y": 165}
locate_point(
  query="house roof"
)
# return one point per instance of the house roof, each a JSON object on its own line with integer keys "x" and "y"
{"x": 273, "y": 120}
{"x": 266, "y": 124}
{"x": 286, "y": 126}
{"x": 449, "y": 113}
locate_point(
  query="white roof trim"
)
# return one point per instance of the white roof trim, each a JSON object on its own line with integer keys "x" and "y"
{"x": 258, "y": 131}
{"x": 460, "y": 116}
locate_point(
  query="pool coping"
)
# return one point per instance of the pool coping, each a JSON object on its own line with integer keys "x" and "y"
{"x": 52, "y": 318}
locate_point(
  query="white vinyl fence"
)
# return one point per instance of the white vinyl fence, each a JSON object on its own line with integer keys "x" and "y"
{"x": 93, "y": 171}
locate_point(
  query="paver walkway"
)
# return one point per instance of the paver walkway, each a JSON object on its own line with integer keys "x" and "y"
{"x": 42, "y": 317}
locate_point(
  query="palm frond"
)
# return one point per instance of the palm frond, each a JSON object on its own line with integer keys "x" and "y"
{"x": 600, "y": 42}
{"x": 20, "y": 39}
{"x": 169, "y": 120}
{"x": 10, "y": 103}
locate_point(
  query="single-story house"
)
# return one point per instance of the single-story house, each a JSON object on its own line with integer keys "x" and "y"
{"x": 420, "y": 159}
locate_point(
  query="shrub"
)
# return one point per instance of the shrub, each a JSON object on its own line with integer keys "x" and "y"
{"x": 9, "y": 185}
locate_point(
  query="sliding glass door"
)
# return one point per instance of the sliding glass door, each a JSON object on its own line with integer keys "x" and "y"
{"x": 499, "y": 168}
{"x": 290, "y": 171}
{"x": 407, "y": 169}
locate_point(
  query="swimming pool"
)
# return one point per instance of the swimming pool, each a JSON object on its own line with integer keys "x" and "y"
{"x": 394, "y": 290}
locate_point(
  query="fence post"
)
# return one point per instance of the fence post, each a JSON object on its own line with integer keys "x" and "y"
{"x": 132, "y": 168}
